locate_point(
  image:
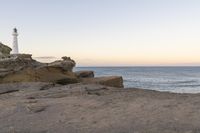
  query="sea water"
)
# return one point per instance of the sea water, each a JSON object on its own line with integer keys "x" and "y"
{"x": 172, "y": 79}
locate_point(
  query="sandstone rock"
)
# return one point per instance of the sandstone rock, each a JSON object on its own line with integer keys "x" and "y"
{"x": 85, "y": 74}
{"x": 113, "y": 81}
{"x": 86, "y": 108}
{"x": 19, "y": 61}
{"x": 4, "y": 51}
{"x": 66, "y": 58}
{"x": 22, "y": 56}
{"x": 22, "y": 68}
{"x": 40, "y": 74}
{"x": 35, "y": 86}
{"x": 67, "y": 64}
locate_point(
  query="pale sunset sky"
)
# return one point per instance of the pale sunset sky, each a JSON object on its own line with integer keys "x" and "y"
{"x": 106, "y": 32}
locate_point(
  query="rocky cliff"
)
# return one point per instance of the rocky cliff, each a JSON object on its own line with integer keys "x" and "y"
{"x": 4, "y": 51}
{"x": 22, "y": 68}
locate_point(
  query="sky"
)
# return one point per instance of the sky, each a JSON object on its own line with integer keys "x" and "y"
{"x": 106, "y": 32}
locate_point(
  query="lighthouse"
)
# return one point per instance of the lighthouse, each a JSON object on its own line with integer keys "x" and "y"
{"x": 15, "y": 42}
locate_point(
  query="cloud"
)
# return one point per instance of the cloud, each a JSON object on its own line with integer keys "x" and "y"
{"x": 45, "y": 57}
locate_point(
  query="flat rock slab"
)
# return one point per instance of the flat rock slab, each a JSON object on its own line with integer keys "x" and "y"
{"x": 91, "y": 108}
{"x": 112, "y": 81}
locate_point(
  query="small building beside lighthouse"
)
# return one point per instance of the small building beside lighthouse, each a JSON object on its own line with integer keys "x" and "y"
{"x": 15, "y": 49}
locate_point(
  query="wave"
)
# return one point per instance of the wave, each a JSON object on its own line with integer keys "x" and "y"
{"x": 198, "y": 85}
{"x": 184, "y": 82}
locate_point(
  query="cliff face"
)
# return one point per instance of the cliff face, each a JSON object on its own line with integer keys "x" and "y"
{"x": 4, "y": 51}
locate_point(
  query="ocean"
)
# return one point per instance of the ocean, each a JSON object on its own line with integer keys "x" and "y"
{"x": 171, "y": 79}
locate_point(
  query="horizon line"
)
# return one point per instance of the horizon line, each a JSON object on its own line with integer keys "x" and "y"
{"x": 148, "y": 66}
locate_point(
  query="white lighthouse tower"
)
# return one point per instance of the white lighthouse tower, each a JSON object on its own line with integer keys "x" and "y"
{"x": 15, "y": 42}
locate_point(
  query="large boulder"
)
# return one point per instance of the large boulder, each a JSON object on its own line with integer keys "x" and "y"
{"x": 4, "y": 51}
{"x": 84, "y": 74}
{"x": 112, "y": 81}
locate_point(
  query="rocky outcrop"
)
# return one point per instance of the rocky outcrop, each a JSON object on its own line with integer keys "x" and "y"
{"x": 22, "y": 68}
{"x": 113, "y": 81}
{"x": 67, "y": 64}
{"x": 41, "y": 74}
{"x": 84, "y": 74}
{"x": 19, "y": 61}
{"x": 4, "y": 51}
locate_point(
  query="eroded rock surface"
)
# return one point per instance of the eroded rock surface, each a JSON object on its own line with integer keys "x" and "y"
{"x": 84, "y": 74}
{"x": 4, "y": 51}
{"x": 92, "y": 108}
{"x": 67, "y": 64}
{"x": 18, "y": 62}
{"x": 22, "y": 68}
{"x": 112, "y": 81}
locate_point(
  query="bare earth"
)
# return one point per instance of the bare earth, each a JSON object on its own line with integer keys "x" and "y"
{"x": 90, "y": 108}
